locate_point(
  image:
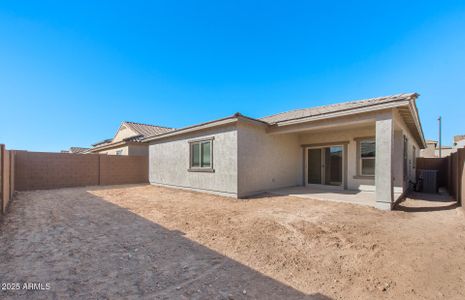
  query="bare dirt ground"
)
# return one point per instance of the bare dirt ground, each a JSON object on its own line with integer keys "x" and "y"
{"x": 158, "y": 243}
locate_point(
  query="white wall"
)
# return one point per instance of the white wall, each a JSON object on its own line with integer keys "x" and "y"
{"x": 267, "y": 161}
{"x": 169, "y": 162}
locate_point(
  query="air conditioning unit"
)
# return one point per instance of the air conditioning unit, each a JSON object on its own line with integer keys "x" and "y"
{"x": 429, "y": 179}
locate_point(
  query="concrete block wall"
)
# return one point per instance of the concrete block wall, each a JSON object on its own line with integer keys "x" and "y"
{"x": 123, "y": 169}
{"x": 7, "y": 183}
{"x": 43, "y": 170}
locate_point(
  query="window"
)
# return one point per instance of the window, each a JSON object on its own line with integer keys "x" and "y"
{"x": 119, "y": 152}
{"x": 201, "y": 155}
{"x": 367, "y": 157}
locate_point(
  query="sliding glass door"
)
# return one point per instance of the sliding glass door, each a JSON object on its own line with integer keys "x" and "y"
{"x": 325, "y": 165}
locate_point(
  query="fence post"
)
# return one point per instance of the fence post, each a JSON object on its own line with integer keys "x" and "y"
{"x": 2, "y": 156}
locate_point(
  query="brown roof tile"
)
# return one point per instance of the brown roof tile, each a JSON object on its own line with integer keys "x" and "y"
{"x": 345, "y": 106}
{"x": 146, "y": 130}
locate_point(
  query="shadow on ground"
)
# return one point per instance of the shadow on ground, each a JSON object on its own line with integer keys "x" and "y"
{"x": 425, "y": 202}
{"x": 94, "y": 249}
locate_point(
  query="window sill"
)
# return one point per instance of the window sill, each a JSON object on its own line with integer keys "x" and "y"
{"x": 364, "y": 177}
{"x": 205, "y": 170}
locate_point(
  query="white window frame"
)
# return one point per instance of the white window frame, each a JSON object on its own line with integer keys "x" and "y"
{"x": 201, "y": 168}
{"x": 360, "y": 158}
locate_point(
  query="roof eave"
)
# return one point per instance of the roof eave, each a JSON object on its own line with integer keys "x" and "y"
{"x": 207, "y": 125}
{"x": 416, "y": 118}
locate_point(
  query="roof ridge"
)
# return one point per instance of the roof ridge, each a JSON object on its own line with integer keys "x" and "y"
{"x": 144, "y": 124}
{"x": 342, "y": 103}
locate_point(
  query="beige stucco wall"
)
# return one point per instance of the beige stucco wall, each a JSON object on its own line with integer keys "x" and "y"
{"x": 139, "y": 150}
{"x": 113, "y": 151}
{"x": 398, "y": 163}
{"x": 169, "y": 162}
{"x": 267, "y": 161}
{"x": 429, "y": 152}
{"x": 247, "y": 159}
{"x": 133, "y": 150}
{"x": 123, "y": 133}
{"x": 342, "y": 135}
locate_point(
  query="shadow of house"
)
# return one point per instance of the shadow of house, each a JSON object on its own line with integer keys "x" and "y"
{"x": 425, "y": 202}
{"x": 94, "y": 249}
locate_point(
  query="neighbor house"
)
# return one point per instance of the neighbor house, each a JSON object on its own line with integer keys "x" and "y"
{"x": 128, "y": 139}
{"x": 75, "y": 150}
{"x": 432, "y": 150}
{"x": 367, "y": 145}
{"x": 459, "y": 141}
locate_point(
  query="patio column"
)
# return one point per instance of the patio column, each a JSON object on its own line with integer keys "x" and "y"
{"x": 384, "y": 160}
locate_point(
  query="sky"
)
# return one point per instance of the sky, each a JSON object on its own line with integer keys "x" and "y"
{"x": 72, "y": 71}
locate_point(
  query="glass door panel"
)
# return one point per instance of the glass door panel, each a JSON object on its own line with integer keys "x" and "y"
{"x": 333, "y": 165}
{"x": 314, "y": 166}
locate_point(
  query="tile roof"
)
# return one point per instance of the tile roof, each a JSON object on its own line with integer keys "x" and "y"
{"x": 345, "y": 106}
{"x": 458, "y": 138}
{"x": 77, "y": 149}
{"x": 105, "y": 141}
{"x": 146, "y": 130}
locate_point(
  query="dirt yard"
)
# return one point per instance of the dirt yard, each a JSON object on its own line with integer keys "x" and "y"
{"x": 151, "y": 242}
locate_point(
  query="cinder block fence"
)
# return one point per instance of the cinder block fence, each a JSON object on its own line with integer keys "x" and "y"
{"x": 24, "y": 170}
{"x": 43, "y": 170}
{"x": 7, "y": 178}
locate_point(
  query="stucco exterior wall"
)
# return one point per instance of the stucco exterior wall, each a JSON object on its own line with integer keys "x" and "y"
{"x": 267, "y": 161}
{"x": 354, "y": 182}
{"x": 138, "y": 150}
{"x": 398, "y": 162}
{"x": 169, "y": 162}
{"x": 123, "y": 133}
{"x": 113, "y": 151}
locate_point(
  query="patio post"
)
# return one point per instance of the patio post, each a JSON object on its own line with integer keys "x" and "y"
{"x": 383, "y": 163}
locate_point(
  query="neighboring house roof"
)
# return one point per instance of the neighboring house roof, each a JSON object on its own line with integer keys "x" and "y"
{"x": 105, "y": 141}
{"x": 404, "y": 102}
{"x": 339, "y": 107}
{"x": 141, "y": 131}
{"x": 77, "y": 149}
{"x": 146, "y": 130}
{"x": 459, "y": 138}
{"x": 431, "y": 142}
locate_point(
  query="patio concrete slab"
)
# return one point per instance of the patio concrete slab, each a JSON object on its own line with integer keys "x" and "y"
{"x": 328, "y": 194}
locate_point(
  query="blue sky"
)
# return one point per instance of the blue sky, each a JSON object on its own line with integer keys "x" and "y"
{"x": 71, "y": 71}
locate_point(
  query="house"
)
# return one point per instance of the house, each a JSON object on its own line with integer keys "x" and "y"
{"x": 75, "y": 150}
{"x": 432, "y": 150}
{"x": 459, "y": 141}
{"x": 128, "y": 139}
{"x": 366, "y": 145}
